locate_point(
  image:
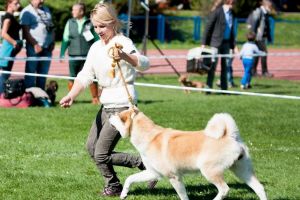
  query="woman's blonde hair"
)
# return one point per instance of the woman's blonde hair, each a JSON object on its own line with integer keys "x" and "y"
{"x": 105, "y": 14}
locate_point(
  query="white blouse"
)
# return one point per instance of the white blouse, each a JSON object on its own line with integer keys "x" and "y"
{"x": 98, "y": 65}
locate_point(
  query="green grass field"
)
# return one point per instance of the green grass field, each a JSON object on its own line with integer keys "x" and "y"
{"x": 43, "y": 156}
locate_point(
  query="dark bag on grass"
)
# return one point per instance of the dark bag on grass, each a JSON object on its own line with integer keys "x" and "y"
{"x": 14, "y": 88}
{"x": 197, "y": 62}
{"x": 201, "y": 66}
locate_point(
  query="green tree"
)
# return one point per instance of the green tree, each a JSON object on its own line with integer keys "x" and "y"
{"x": 2, "y": 3}
{"x": 242, "y": 7}
{"x": 61, "y": 10}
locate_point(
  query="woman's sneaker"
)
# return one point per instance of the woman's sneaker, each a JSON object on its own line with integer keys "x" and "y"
{"x": 152, "y": 184}
{"x": 112, "y": 191}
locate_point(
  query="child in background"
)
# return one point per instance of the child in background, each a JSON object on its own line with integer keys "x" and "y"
{"x": 247, "y": 56}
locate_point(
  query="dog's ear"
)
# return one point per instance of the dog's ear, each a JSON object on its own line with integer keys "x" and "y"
{"x": 116, "y": 121}
{"x": 129, "y": 114}
{"x": 125, "y": 115}
{"x": 135, "y": 111}
{"x": 126, "y": 119}
{"x": 54, "y": 84}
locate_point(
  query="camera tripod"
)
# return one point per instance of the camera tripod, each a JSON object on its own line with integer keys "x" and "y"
{"x": 146, "y": 37}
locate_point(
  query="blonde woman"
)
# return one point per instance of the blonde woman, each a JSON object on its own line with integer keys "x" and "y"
{"x": 103, "y": 137}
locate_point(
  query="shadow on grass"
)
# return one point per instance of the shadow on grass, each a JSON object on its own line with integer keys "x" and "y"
{"x": 282, "y": 198}
{"x": 139, "y": 101}
{"x": 83, "y": 102}
{"x": 149, "y": 101}
{"x": 202, "y": 192}
{"x": 264, "y": 86}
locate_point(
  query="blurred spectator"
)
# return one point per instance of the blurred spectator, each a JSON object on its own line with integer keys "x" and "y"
{"x": 11, "y": 44}
{"x": 78, "y": 37}
{"x": 258, "y": 22}
{"x": 38, "y": 30}
{"x": 229, "y": 60}
{"x": 219, "y": 33}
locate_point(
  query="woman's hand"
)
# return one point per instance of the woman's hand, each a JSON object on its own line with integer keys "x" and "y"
{"x": 66, "y": 101}
{"x": 116, "y": 52}
{"x": 17, "y": 46}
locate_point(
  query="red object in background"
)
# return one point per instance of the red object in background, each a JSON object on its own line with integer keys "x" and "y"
{"x": 23, "y": 101}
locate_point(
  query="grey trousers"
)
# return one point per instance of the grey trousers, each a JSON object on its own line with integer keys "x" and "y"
{"x": 102, "y": 140}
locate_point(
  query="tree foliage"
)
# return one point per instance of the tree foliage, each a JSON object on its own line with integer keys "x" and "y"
{"x": 242, "y": 7}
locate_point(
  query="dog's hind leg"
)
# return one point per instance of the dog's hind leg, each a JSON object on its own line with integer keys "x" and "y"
{"x": 142, "y": 176}
{"x": 179, "y": 187}
{"x": 242, "y": 168}
{"x": 216, "y": 177}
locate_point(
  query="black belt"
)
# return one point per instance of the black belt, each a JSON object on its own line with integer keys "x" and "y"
{"x": 115, "y": 109}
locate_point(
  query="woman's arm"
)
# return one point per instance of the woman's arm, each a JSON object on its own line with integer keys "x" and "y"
{"x": 130, "y": 58}
{"x": 134, "y": 58}
{"x": 67, "y": 100}
{"x": 5, "y": 35}
{"x": 28, "y": 37}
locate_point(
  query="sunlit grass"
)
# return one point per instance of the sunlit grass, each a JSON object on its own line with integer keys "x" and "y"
{"x": 43, "y": 155}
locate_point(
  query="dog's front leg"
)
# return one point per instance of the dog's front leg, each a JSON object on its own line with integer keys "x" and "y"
{"x": 179, "y": 187}
{"x": 142, "y": 176}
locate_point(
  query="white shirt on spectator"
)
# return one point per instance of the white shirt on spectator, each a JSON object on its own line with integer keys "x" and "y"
{"x": 37, "y": 19}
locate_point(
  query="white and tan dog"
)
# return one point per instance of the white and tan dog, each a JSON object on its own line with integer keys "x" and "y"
{"x": 171, "y": 153}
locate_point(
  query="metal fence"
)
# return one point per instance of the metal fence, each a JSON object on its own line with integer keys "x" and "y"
{"x": 170, "y": 28}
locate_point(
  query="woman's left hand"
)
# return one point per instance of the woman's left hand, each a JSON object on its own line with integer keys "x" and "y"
{"x": 117, "y": 52}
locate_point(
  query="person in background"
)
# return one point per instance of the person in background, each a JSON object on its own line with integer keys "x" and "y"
{"x": 103, "y": 137}
{"x": 11, "y": 44}
{"x": 230, "y": 79}
{"x": 229, "y": 60}
{"x": 258, "y": 22}
{"x": 78, "y": 37}
{"x": 247, "y": 56}
{"x": 38, "y": 31}
{"x": 219, "y": 33}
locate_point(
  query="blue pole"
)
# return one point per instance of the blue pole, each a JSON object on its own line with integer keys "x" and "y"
{"x": 161, "y": 28}
{"x": 197, "y": 28}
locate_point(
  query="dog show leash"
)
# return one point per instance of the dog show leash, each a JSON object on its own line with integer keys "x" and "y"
{"x": 112, "y": 52}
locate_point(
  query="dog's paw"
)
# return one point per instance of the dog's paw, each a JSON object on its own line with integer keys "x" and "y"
{"x": 123, "y": 195}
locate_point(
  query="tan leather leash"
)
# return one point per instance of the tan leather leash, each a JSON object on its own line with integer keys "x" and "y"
{"x": 114, "y": 51}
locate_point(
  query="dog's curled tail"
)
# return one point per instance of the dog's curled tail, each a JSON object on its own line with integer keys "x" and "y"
{"x": 222, "y": 124}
